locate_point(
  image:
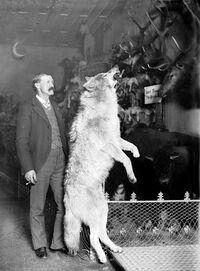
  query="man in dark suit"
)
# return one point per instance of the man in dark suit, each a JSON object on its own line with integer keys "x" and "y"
{"x": 42, "y": 151}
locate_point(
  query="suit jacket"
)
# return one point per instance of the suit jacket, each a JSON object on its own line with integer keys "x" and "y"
{"x": 33, "y": 134}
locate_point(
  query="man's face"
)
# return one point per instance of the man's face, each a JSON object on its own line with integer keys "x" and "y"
{"x": 46, "y": 86}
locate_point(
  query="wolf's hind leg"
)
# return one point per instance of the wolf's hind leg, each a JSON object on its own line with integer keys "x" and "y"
{"x": 72, "y": 226}
{"x": 103, "y": 232}
{"x": 93, "y": 221}
{"x": 94, "y": 241}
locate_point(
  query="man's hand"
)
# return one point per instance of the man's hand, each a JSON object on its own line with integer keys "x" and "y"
{"x": 31, "y": 177}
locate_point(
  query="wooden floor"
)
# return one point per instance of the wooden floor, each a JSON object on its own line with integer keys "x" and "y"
{"x": 16, "y": 252}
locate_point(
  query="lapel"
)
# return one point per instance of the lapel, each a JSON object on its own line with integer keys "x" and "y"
{"x": 39, "y": 109}
{"x": 58, "y": 114}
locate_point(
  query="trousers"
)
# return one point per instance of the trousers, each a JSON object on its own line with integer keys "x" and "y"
{"x": 51, "y": 174}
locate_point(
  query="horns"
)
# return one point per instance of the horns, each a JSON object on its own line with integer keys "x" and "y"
{"x": 160, "y": 67}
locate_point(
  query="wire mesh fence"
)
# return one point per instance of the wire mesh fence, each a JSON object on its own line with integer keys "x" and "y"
{"x": 150, "y": 231}
{"x": 153, "y": 223}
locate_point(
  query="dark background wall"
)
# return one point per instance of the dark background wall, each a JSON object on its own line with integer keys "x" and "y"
{"x": 16, "y": 74}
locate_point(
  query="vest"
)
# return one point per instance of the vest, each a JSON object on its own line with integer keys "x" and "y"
{"x": 55, "y": 139}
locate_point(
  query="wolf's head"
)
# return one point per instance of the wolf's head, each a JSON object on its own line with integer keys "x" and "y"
{"x": 100, "y": 86}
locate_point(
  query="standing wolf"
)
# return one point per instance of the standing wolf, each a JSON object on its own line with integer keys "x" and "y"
{"x": 95, "y": 143}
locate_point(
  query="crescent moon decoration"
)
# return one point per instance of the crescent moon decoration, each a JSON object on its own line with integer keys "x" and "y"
{"x": 16, "y": 54}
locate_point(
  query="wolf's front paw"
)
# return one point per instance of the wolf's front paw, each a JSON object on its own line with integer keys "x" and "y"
{"x": 135, "y": 151}
{"x": 133, "y": 180}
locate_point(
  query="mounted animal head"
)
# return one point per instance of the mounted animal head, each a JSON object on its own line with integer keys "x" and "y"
{"x": 180, "y": 85}
{"x": 163, "y": 164}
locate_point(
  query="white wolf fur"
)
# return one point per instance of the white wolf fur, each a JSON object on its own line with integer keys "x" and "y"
{"x": 95, "y": 143}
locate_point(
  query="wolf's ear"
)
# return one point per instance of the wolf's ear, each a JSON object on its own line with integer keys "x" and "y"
{"x": 87, "y": 78}
{"x": 90, "y": 84}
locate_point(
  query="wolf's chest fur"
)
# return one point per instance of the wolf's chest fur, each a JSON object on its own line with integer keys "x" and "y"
{"x": 99, "y": 120}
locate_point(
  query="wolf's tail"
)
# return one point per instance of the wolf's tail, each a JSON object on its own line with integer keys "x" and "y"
{"x": 72, "y": 226}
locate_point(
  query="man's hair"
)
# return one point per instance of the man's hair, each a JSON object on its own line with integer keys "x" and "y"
{"x": 37, "y": 79}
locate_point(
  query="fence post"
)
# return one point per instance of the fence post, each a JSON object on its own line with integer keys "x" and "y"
{"x": 186, "y": 196}
{"x": 133, "y": 197}
{"x": 160, "y": 197}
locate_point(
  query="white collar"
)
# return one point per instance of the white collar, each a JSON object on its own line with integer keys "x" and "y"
{"x": 46, "y": 104}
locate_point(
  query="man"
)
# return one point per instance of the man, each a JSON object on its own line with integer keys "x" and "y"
{"x": 42, "y": 150}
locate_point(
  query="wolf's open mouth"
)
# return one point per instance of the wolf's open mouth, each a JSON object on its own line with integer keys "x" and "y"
{"x": 117, "y": 76}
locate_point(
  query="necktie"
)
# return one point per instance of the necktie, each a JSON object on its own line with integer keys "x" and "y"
{"x": 47, "y": 105}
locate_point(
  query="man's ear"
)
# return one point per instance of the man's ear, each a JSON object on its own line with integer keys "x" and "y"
{"x": 37, "y": 85}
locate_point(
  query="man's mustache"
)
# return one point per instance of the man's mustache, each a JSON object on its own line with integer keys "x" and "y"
{"x": 51, "y": 88}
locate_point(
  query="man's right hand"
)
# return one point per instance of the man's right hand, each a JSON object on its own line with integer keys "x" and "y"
{"x": 31, "y": 177}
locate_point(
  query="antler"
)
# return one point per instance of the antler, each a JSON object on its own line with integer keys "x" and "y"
{"x": 182, "y": 52}
{"x": 160, "y": 67}
{"x": 194, "y": 15}
{"x": 142, "y": 29}
{"x": 164, "y": 66}
{"x": 162, "y": 34}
